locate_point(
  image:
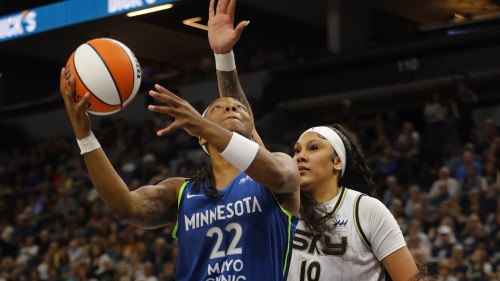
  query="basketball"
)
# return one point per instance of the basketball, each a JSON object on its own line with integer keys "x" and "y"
{"x": 109, "y": 71}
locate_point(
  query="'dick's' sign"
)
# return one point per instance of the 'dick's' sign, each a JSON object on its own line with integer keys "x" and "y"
{"x": 115, "y": 6}
{"x": 66, "y": 13}
{"x": 18, "y": 24}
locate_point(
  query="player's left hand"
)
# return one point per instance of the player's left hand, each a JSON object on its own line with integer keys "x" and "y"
{"x": 185, "y": 116}
{"x": 222, "y": 36}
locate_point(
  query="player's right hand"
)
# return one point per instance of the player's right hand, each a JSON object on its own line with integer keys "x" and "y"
{"x": 222, "y": 36}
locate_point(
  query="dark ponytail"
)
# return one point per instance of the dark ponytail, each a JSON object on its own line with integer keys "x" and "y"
{"x": 357, "y": 175}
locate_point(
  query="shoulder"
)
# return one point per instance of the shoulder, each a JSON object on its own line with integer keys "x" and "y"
{"x": 174, "y": 181}
{"x": 372, "y": 209}
{"x": 173, "y": 184}
{"x": 371, "y": 203}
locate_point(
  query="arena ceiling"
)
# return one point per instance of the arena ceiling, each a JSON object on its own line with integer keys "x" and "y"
{"x": 163, "y": 37}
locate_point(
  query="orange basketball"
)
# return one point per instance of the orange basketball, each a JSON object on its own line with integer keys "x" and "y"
{"x": 109, "y": 71}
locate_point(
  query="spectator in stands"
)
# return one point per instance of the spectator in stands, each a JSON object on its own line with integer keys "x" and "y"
{"x": 478, "y": 203}
{"x": 479, "y": 268}
{"x": 468, "y": 158}
{"x": 407, "y": 149}
{"x": 441, "y": 195}
{"x": 414, "y": 201}
{"x": 488, "y": 134}
{"x": 123, "y": 271}
{"x": 458, "y": 262}
{"x": 393, "y": 190}
{"x": 168, "y": 272}
{"x": 473, "y": 233}
{"x": 444, "y": 243}
{"x": 418, "y": 243}
{"x": 462, "y": 105}
{"x": 28, "y": 252}
{"x": 384, "y": 164}
{"x": 435, "y": 112}
{"x": 451, "y": 184}
{"x": 444, "y": 271}
{"x": 473, "y": 179}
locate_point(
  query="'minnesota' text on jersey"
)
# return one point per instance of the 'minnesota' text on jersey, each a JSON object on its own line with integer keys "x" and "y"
{"x": 245, "y": 235}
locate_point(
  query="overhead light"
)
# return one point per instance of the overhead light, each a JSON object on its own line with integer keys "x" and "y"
{"x": 150, "y": 10}
{"x": 193, "y": 22}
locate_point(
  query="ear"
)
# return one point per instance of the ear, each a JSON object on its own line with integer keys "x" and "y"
{"x": 204, "y": 145}
{"x": 202, "y": 141}
{"x": 337, "y": 164}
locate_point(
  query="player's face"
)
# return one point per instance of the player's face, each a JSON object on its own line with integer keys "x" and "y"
{"x": 232, "y": 115}
{"x": 313, "y": 155}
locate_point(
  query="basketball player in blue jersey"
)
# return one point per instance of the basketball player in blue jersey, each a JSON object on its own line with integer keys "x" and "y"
{"x": 235, "y": 222}
{"x": 239, "y": 224}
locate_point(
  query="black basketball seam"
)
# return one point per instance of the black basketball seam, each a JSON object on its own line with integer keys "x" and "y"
{"x": 111, "y": 74}
{"x": 81, "y": 80}
{"x": 133, "y": 72}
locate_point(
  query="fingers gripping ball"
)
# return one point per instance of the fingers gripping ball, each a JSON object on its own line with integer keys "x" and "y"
{"x": 109, "y": 71}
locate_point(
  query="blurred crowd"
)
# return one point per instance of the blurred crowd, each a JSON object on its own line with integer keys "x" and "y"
{"x": 440, "y": 180}
{"x": 194, "y": 68}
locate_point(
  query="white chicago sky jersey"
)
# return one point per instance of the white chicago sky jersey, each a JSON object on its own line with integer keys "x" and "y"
{"x": 348, "y": 254}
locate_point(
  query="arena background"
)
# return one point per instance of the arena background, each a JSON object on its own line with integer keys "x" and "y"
{"x": 360, "y": 63}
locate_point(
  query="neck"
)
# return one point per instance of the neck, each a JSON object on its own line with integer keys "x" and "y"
{"x": 224, "y": 172}
{"x": 326, "y": 190}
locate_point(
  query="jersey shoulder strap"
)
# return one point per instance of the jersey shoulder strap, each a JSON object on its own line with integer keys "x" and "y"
{"x": 356, "y": 221}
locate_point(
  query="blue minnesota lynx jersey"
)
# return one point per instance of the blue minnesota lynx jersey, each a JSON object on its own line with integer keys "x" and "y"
{"x": 245, "y": 235}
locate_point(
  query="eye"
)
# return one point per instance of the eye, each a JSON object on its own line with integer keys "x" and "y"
{"x": 313, "y": 147}
{"x": 241, "y": 107}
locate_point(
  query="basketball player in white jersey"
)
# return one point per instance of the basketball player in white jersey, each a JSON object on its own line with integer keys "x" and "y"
{"x": 343, "y": 234}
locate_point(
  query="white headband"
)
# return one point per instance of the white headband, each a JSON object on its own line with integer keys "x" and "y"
{"x": 334, "y": 139}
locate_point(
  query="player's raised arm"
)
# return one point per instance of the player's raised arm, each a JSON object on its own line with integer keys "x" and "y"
{"x": 222, "y": 36}
{"x": 149, "y": 206}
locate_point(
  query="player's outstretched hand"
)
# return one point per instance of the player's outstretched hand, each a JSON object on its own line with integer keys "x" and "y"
{"x": 185, "y": 116}
{"x": 76, "y": 109}
{"x": 222, "y": 36}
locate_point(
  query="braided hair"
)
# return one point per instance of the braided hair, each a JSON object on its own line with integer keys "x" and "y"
{"x": 357, "y": 176}
{"x": 204, "y": 180}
